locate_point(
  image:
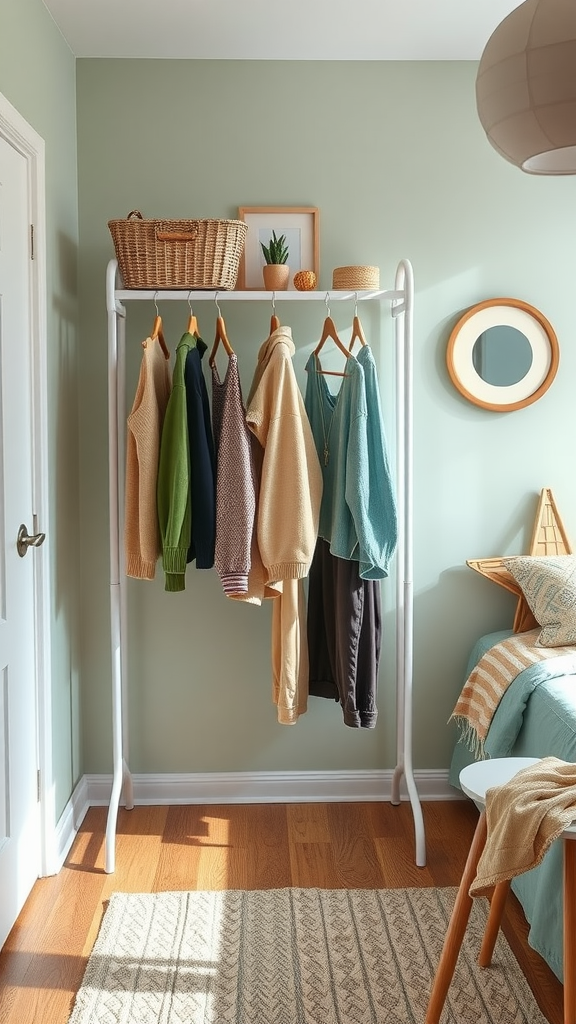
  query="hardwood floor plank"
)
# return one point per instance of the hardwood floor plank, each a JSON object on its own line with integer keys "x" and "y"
{"x": 228, "y": 830}
{"x": 223, "y": 860}
{"x": 387, "y": 820}
{"x": 458, "y": 820}
{"x": 396, "y": 858}
{"x": 150, "y": 821}
{"x": 354, "y": 850}
{"x": 268, "y": 849}
{"x": 89, "y": 853}
{"x": 307, "y": 823}
{"x": 312, "y": 865}
{"x": 177, "y": 866}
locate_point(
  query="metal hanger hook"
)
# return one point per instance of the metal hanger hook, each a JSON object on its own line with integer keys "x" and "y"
{"x": 327, "y": 301}
{"x": 273, "y": 302}
{"x": 355, "y": 303}
{"x": 216, "y": 301}
{"x": 156, "y": 304}
{"x": 190, "y": 303}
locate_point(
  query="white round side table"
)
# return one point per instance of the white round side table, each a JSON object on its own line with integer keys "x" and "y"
{"x": 475, "y": 780}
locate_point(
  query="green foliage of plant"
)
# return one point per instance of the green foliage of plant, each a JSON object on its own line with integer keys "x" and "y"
{"x": 277, "y": 250}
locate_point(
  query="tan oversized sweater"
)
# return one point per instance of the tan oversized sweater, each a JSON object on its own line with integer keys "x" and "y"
{"x": 290, "y": 477}
{"x": 523, "y": 819}
{"x": 141, "y": 530}
{"x": 287, "y": 514}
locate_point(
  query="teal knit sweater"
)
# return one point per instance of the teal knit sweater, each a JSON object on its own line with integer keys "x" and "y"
{"x": 358, "y": 511}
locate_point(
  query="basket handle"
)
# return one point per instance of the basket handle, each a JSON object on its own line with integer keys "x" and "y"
{"x": 176, "y": 236}
{"x": 134, "y": 213}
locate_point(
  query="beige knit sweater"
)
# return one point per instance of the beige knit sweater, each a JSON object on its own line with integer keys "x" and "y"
{"x": 523, "y": 818}
{"x": 288, "y": 510}
{"x": 141, "y": 531}
{"x": 290, "y": 477}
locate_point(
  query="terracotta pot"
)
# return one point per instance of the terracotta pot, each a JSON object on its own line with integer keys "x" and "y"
{"x": 276, "y": 276}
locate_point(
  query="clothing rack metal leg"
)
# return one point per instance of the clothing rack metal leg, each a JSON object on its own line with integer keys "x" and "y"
{"x": 403, "y": 312}
{"x": 122, "y": 779}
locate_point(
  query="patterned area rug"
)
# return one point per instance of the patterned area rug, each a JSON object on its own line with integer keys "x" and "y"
{"x": 292, "y": 956}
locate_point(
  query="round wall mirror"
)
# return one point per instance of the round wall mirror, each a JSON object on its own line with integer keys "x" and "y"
{"x": 502, "y": 354}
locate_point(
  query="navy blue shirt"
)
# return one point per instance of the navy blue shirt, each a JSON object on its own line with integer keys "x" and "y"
{"x": 202, "y": 460}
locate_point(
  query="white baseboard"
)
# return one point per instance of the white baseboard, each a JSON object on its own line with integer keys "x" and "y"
{"x": 70, "y": 821}
{"x": 246, "y": 788}
{"x": 271, "y": 787}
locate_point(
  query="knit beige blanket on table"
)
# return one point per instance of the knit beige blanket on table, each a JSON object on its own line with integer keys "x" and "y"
{"x": 523, "y": 818}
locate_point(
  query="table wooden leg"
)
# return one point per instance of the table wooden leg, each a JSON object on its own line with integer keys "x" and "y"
{"x": 569, "y": 931}
{"x": 497, "y": 904}
{"x": 456, "y": 927}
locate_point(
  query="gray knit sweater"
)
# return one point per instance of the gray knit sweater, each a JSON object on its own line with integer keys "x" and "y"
{"x": 235, "y": 483}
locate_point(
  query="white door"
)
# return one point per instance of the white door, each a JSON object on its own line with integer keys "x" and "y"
{"x": 20, "y": 848}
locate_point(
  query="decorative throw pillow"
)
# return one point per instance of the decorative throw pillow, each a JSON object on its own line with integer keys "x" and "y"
{"x": 549, "y": 586}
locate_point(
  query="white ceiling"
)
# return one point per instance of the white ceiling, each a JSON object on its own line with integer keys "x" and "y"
{"x": 286, "y": 30}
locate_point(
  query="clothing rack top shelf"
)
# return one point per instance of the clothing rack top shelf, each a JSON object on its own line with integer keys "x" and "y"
{"x": 252, "y": 296}
{"x": 401, "y": 299}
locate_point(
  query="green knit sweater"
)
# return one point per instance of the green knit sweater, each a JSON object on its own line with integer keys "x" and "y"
{"x": 174, "y": 508}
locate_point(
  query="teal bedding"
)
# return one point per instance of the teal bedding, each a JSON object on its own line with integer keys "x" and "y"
{"x": 535, "y": 718}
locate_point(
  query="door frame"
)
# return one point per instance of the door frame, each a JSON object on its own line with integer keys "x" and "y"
{"x": 19, "y": 134}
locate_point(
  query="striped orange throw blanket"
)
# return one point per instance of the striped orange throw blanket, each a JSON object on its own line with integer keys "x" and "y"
{"x": 489, "y": 680}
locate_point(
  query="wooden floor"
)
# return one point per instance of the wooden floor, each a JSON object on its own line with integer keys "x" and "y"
{"x": 259, "y": 846}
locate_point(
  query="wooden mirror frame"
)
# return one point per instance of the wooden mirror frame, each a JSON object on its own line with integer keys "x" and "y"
{"x": 506, "y": 313}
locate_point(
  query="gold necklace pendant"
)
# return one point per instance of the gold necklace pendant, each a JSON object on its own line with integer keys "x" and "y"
{"x": 325, "y": 433}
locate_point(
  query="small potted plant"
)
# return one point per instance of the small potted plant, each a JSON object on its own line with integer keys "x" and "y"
{"x": 276, "y": 271}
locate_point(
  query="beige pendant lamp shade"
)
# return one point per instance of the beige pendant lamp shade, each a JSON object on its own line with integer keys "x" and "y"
{"x": 526, "y": 87}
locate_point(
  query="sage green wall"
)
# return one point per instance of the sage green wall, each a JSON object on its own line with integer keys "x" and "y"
{"x": 37, "y": 75}
{"x": 395, "y": 159}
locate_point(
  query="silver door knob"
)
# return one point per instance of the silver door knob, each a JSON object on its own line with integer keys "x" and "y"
{"x": 25, "y": 540}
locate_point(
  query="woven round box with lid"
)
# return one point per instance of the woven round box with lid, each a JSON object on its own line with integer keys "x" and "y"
{"x": 356, "y": 278}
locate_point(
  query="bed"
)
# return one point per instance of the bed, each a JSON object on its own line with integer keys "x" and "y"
{"x": 534, "y": 716}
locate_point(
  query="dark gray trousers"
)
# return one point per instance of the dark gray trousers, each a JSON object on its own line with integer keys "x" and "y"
{"x": 344, "y": 628}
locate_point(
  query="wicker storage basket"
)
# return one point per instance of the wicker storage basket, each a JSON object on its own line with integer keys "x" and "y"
{"x": 178, "y": 253}
{"x": 357, "y": 278}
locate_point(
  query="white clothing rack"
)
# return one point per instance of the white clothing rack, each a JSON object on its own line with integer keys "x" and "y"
{"x": 401, "y": 299}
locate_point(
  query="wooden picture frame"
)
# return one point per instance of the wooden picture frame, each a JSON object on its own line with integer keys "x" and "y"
{"x": 300, "y": 224}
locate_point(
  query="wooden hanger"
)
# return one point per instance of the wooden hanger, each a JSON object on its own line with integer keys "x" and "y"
{"x": 357, "y": 333}
{"x": 329, "y": 331}
{"x": 274, "y": 320}
{"x": 192, "y": 321}
{"x": 221, "y": 336}
{"x": 157, "y": 334}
